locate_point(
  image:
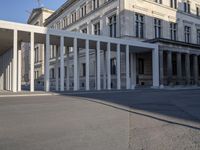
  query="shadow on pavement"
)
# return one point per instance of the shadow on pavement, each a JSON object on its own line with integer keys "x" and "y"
{"x": 183, "y": 105}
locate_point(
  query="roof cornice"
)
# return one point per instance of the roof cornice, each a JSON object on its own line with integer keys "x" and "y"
{"x": 59, "y": 11}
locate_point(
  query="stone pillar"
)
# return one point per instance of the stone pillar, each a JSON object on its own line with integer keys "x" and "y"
{"x": 14, "y": 70}
{"x": 47, "y": 86}
{"x": 196, "y": 69}
{"x": 108, "y": 67}
{"x": 6, "y": 72}
{"x": 62, "y": 68}
{"x": 10, "y": 74}
{"x": 179, "y": 67}
{"x": 95, "y": 69}
{"x": 68, "y": 69}
{"x": 78, "y": 68}
{"x": 1, "y": 74}
{"x": 155, "y": 63}
{"x": 19, "y": 69}
{"x": 75, "y": 66}
{"x": 118, "y": 67}
{"x": 187, "y": 65}
{"x": 56, "y": 68}
{"x": 169, "y": 67}
{"x": 127, "y": 68}
{"x": 87, "y": 65}
{"x": 104, "y": 72}
{"x": 133, "y": 70}
{"x": 98, "y": 67}
{"x": 161, "y": 68}
{"x": 32, "y": 62}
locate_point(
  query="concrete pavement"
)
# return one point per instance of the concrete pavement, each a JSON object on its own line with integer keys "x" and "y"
{"x": 136, "y": 120}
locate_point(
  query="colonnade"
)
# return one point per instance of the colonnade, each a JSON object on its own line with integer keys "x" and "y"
{"x": 10, "y": 67}
{"x": 130, "y": 74}
{"x": 187, "y": 64}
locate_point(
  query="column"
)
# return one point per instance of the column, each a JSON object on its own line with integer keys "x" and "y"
{"x": 10, "y": 74}
{"x": 169, "y": 67}
{"x": 104, "y": 72}
{"x": 6, "y": 71}
{"x": 14, "y": 70}
{"x": 87, "y": 65}
{"x": 32, "y": 62}
{"x": 108, "y": 67}
{"x": 62, "y": 68}
{"x": 179, "y": 67}
{"x": 133, "y": 70}
{"x": 161, "y": 69}
{"x": 155, "y": 63}
{"x": 78, "y": 67}
{"x": 47, "y": 86}
{"x": 196, "y": 69}
{"x": 127, "y": 68}
{"x": 118, "y": 67}
{"x": 98, "y": 67}
{"x": 1, "y": 74}
{"x": 95, "y": 69}
{"x": 187, "y": 65}
{"x": 75, "y": 65}
{"x": 68, "y": 69}
{"x": 1, "y": 82}
{"x": 19, "y": 69}
{"x": 56, "y": 67}
{"x": 4, "y": 81}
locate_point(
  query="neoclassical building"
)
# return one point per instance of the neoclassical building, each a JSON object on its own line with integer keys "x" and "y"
{"x": 172, "y": 24}
{"x": 37, "y": 18}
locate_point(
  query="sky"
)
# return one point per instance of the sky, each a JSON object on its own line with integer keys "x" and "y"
{"x": 18, "y": 10}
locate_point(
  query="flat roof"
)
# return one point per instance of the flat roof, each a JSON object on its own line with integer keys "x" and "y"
{"x": 6, "y": 36}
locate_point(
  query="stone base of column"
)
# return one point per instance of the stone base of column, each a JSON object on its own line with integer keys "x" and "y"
{"x": 162, "y": 86}
{"x": 155, "y": 87}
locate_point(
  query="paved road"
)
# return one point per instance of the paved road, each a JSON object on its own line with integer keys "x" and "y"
{"x": 138, "y": 120}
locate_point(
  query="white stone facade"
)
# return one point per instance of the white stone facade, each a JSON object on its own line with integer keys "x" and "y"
{"x": 179, "y": 29}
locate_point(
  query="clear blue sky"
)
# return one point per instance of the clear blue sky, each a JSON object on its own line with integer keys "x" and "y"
{"x": 16, "y": 10}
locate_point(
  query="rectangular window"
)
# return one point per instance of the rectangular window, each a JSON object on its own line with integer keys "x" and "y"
{"x": 198, "y": 11}
{"x": 187, "y": 7}
{"x": 73, "y": 17}
{"x": 84, "y": 30}
{"x": 139, "y": 28}
{"x": 65, "y": 22}
{"x": 65, "y": 71}
{"x": 141, "y": 66}
{"x": 97, "y": 28}
{"x": 173, "y": 4}
{"x": 36, "y": 54}
{"x": 112, "y": 26}
{"x": 83, "y": 10}
{"x": 157, "y": 28}
{"x": 198, "y": 36}
{"x": 158, "y": 1}
{"x": 113, "y": 64}
{"x": 95, "y": 4}
{"x": 174, "y": 67}
{"x": 59, "y": 72}
{"x": 173, "y": 31}
{"x": 84, "y": 69}
{"x": 187, "y": 32}
{"x": 52, "y": 75}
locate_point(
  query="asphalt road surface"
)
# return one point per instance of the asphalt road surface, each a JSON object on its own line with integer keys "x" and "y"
{"x": 136, "y": 120}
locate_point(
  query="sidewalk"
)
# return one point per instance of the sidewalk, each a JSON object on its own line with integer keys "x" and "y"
{"x": 53, "y": 93}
